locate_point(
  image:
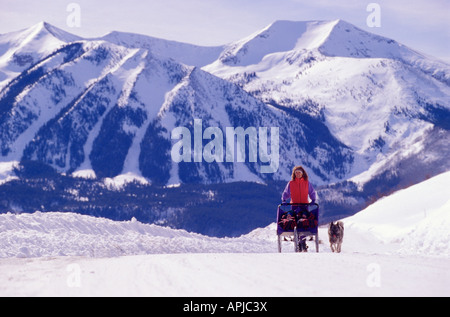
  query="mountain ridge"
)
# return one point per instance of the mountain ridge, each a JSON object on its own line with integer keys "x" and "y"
{"x": 84, "y": 57}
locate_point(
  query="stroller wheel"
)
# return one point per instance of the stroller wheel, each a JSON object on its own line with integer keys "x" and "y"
{"x": 302, "y": 247}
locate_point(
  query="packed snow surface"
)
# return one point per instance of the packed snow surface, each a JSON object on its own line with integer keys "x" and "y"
{"x": 396, "y": 247}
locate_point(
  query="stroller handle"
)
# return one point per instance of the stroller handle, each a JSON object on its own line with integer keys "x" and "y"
{"x": 298, "y": 204}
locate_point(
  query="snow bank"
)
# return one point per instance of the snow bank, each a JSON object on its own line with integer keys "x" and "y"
{"x": 431, "y": 235}
{"x": 417, "y": 218}
{"x": 69, "y": 234}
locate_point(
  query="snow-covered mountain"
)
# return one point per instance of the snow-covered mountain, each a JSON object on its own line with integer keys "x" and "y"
{"x": 97, "y": 108}
{"x": 348, "y": 104}
{"x": 386, "y": 102}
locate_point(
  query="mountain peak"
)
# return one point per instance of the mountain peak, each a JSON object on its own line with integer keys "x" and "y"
{"x": 335, "y": 38}
{"x": 21, "y": 49}
{"x": 346, "y": 40}
{"x": 280, "y": 36}
{"x": 45, "y": 28}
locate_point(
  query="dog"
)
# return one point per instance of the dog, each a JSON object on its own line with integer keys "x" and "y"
{"x": 336, "y": 235}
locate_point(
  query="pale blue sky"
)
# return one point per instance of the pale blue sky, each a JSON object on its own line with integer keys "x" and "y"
{"x": 423, "y": 25}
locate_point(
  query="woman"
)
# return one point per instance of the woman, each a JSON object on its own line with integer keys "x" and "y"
{"x": 299, "y": 188}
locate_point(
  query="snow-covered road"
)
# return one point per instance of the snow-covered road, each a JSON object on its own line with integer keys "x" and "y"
{"x": 227, "y": 274}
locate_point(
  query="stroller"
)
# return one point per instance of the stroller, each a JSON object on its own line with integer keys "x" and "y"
{"x": 299, "y": 221}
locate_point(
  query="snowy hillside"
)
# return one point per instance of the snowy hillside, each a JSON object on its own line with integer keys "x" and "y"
{"x": 417, "y": 218}
{"x": 384, "y": 254}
